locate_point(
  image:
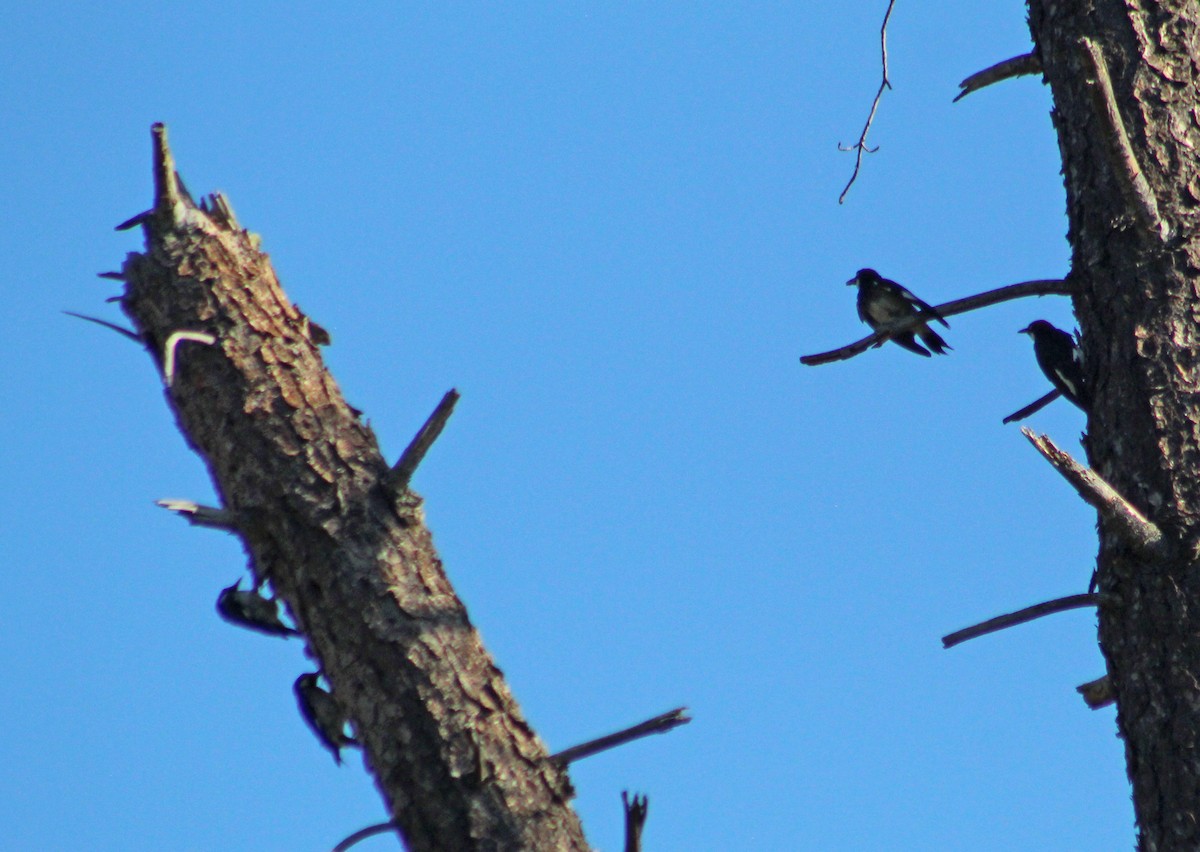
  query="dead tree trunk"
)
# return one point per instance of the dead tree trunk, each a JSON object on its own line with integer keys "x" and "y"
{"x": 1127, "y": 110}
{"x": 339, "y": 535}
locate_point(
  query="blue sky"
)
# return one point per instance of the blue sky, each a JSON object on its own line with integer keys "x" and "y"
{"x": 614, "y": 229}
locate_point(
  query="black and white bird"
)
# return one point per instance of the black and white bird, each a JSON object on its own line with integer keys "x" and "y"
{"x": 1061, "y": 360}
{"x": 323, "y": 714}
{"x": 247, "y": 608}
{"x": 882, "y": 303}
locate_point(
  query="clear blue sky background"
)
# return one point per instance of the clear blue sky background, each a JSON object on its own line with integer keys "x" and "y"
{"x": 614, "y": 228}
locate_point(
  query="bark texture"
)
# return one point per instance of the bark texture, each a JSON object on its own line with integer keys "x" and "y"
{"x": 1127, "y": 111}
{"x": 346, "y": 550}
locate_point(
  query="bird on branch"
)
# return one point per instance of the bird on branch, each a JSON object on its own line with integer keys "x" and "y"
{"x": 1061, "y": 360}
{"x": 882, "y": 303}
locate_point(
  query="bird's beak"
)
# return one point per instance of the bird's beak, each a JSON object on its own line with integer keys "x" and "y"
{"x": 852, "y": 281}
{"x": 1026, "y": 330}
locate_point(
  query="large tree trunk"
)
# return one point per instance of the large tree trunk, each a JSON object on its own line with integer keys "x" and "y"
{"x": 340, "y": 539}
{"x": 1133, "y": 197}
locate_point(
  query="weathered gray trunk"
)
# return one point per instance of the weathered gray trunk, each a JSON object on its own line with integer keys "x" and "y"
{"x": 346, "y": 550}
{"x": 1133, "y": 209}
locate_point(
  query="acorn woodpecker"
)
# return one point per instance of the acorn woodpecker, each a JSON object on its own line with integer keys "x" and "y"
{"x": 882, "y": 303}
{"x": 247, "y": 608}
{"x": 1061, "y": 360}
{"x": 323, "y": 714}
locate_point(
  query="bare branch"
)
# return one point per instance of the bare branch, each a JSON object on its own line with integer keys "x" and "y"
{"x": 364, "y": 833}
{"x": 658, "y": 725}
{"x": 415, "y": 452}
{"x": 860, "y": 147}
{"x": 169, "y": 350}
{"x": 1133, "y": 183}
{"x": 1017, "y": 66}
{"x": 1030, "y": 613}
{"x": 1041, "y": 287}
{"x": 197, "y": 515}
{"x": 635, "y": 820}
{"x": 1033, "y": 407}
{"x": 1097, "y": 693}
{"x": 1141, "y": 534}
{"x": 132, "y": 335}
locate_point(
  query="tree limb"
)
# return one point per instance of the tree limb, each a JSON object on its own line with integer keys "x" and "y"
{"x": 860, "y": 147}
{"x": 1033, "y": 407}
{"x": 1041, "y": 287}
{"x": 658, "y": 725}
{"x": 1021, "y": 616}
{"x": 1017, "y": 66}
{"x": 1133, "y": 183}
{"x": 1141, "y": 534}
{"x": 415, "y": 452}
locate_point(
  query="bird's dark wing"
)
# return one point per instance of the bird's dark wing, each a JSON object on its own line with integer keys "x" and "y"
{"x": 916, "y": 302}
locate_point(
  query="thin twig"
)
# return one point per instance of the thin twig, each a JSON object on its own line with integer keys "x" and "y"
{"x": 1133, "y": 183}
{"x": 1017, "y": 66}
{"x": 415, "y": 452}
{"x": 860, "y": 147}
{"x": 134, "y": 336}
{"x": 1142, "y": 534}
{"x": 657, "y": 725}
{"x": 1033, "y": 407}
{"x": 1012, "y": 619}
{"x": 364, "y": 833}
{"x": 1043, "y": 287}
{"x": 1097, "y": 693}
{"x": 635, "y": 820}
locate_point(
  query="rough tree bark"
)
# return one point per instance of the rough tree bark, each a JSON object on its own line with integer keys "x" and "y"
{"x": 342, "y": 542}
{"x": 1123, "y": 74}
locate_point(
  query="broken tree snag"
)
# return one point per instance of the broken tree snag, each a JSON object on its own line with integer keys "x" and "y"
{"x": 658, "y": 725}
{"x": 415, "y": 452}
{"x": 1097, "y": 693}
{"x": 635, "y": 820}
{"x": 1042, "y": 287}
{"x": 1017, "y": 66}
{"x": 1021, "y": 616}
{"x": 198, "y": 515}
{"x": 1142, "y": 535}
{"x": 457, "y": 763}
{"x": 1133, "y": 183}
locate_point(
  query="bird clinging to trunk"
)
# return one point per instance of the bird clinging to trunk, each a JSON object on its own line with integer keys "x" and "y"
{"x": 1061, "y": 360}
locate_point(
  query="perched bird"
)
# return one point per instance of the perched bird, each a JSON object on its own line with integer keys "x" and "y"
{"x": 323, "y": 714}
{"x": 247, "y": 608}
{"x": 1061, "y": 360}
{"x": 883, "y": 303}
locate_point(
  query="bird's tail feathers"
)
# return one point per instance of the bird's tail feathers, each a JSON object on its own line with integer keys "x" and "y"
{"x": 933, "y": 340}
